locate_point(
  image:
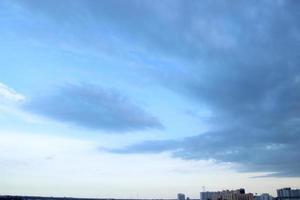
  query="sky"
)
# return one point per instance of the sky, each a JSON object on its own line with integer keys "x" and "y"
{"x": 146, "y": 99}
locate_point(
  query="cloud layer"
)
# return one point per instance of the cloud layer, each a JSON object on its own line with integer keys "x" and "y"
{"x": 242, "y": 64}
{"x": 92, "y": 107}
{"x": 272, "y": 152}
{"x": 239, "y": 60}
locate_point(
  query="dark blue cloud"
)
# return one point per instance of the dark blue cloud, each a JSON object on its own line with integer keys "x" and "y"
{"x": 193, "y": 30}
{"x": 269, "y": 151}
{"x": 92, "y": 107}
{"x": 242, "y": 63}
{"x": 238, "y": 59}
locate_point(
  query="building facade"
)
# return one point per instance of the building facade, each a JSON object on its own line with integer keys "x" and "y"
{"x": 227, "y": 195}
{"x": 264, "y": 196}
{"x": 180, "y": 196}
{"x": 288, "y": 194}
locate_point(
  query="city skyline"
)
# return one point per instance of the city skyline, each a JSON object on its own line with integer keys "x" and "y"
{"x": 237, "y": 194}
{"x": 131, "y": 98}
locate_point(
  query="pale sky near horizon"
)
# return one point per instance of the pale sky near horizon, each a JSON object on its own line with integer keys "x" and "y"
{"x": 146, "y": 99}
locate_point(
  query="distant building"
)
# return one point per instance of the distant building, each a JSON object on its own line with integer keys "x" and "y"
{"x": 207, "y": 195}
{"x": 227, "y": 195}
{"x": 288, "y": 194}
{"x": 180, "y": 196}
{"x": 264, "y": 196}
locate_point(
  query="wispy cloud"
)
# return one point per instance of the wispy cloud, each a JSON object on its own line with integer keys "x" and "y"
{"x": 10, "y": 100}
{"x": 92, "y": 107}
{"x": 273, "y": 153}
{"x": 9, "y": 95}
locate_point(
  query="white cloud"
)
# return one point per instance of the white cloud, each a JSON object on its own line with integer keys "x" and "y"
{"x": 9, "y": 101}
{"x": 9, "y": 95}
{"x": 43, "y": 164}
{"x": 10, "y": 106}
{"x": 64, "y": 164}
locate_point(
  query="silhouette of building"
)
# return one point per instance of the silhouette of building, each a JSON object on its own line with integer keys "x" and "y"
{"x": 227, "y": 195}
{"x": 180, "y": 196}
{"x": 264, "y": 196}
{"x": 288, "y": 194}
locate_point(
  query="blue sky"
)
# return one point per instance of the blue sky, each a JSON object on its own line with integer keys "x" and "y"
{"x": 147, "y": 98}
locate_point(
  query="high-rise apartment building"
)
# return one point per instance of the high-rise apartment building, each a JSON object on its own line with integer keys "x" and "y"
{"x": 180, "y": 196}
{"x": 264, "y": 196}
{"x": 227, "y": 195}
{"x": 288, "y": 194}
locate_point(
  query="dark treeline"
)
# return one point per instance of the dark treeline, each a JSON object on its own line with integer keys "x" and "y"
{"x": 11, "y": 197}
